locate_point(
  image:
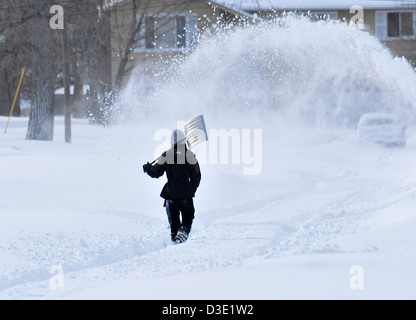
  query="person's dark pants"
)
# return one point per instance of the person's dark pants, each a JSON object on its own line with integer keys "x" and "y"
{"x": 174, "y": 209}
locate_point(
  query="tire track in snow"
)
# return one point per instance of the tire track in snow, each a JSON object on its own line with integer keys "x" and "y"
{"x": 368, "y": 195}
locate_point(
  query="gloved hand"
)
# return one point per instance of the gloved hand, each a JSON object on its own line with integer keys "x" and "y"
{"x": 146, "y": 167}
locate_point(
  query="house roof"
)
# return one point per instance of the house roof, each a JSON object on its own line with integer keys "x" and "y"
{"x": 281, "y": 5}
{"x": 233, "y": 9}
{"x": 220, "y": 4}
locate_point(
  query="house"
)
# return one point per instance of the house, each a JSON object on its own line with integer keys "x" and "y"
{"x": 145, "y": 33}
{"x": 392, "y": 22}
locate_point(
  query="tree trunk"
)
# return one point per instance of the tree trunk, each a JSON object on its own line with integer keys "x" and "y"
{"x": 41, "y": 113}
{"x": 42, "y": 110}
{"x": 77, "y": 104}
{"x": 8, "y": 87}
{"x": 3, "y": 99}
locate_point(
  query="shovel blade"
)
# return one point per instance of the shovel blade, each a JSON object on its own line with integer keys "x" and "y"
{"x": 196, "y": 131}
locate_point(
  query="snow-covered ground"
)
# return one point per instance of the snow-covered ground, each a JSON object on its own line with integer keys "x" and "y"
{"x": 299, "y": 210}
{"x": 326, "y": 218}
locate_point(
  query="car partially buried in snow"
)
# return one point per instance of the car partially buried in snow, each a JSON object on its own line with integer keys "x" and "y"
{"x": 382, "y": 128}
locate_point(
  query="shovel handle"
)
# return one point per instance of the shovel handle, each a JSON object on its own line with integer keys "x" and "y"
{"x": 180, "y": 141}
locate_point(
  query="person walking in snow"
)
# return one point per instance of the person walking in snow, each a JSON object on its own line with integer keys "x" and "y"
{"x": 184, "y": 176}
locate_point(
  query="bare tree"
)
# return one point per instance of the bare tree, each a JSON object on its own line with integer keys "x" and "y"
{"x": 29, "y": 43}
{"x": 15, "y": 53}
{"x": 44, "y": 68}
{"x": 84, "y": 22}
{"x": 134, "y": 30}
{"x": 99, "y": 42}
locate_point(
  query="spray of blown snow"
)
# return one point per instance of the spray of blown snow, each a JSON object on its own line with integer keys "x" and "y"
{"x": 320, "y": 73}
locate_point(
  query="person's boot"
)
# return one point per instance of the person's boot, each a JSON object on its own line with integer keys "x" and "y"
{"x": 182, "y": 235}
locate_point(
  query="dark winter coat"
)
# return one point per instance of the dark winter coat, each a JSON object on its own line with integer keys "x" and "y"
{"x": 182, "y": 170}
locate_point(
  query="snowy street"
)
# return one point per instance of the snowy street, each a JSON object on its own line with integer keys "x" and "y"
{"x": 81, "y": 210}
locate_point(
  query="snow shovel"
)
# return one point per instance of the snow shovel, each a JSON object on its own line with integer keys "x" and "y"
{"x": 195, "y": 133}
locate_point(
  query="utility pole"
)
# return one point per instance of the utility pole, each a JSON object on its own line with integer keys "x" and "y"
{"x": 67, "y": 106}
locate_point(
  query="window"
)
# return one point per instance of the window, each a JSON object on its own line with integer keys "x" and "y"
{"x": 406, "y": 24}
{"x": 400, "y": 24}
{"x": 380, "y": 122}
{"x": 393, "y": 25}
{"x": 180, "y": 32}
{"x": 168, "y": 33}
